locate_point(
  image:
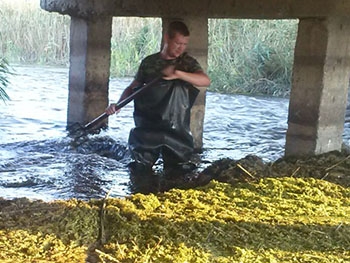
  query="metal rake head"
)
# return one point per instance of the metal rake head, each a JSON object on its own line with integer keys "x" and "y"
{"x": 76, "y": 130}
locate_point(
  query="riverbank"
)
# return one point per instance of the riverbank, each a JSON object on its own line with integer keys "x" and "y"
{"x": 291, "y": 210}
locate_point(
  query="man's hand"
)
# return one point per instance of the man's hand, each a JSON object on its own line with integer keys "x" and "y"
{"x": 169, "y": 72}
{"x": 198, "y": 78}
{"x": 111, "y": 109}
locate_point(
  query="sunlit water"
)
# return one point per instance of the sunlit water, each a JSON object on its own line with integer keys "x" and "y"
{"x": 38, "y": 160}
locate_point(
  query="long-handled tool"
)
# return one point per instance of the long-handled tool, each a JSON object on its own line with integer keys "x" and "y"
{"x": 77, "y": 130}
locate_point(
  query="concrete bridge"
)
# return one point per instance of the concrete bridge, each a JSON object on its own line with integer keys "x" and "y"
{"x": 321, "y": 61}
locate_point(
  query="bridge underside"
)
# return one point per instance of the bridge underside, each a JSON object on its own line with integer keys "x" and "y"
{"x": 321, "y": 62}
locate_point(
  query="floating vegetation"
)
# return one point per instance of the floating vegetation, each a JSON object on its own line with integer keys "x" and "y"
{"x": 286, "y": 217}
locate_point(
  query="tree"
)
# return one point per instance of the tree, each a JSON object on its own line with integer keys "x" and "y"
{"x": 4, "y": 72}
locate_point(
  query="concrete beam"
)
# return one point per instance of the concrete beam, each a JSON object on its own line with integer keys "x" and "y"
{"x": 85, "y": 9}
{"x": 89, "y": 69}
{"x": 198, "y": 48}
{"x": 320, "y": 84}
{"x": 254, "y": 9}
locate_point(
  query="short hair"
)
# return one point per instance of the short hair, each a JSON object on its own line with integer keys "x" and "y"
{"x": 178, "y": 27}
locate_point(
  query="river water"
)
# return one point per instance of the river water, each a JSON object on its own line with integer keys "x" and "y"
{"x": 39, "y": 161}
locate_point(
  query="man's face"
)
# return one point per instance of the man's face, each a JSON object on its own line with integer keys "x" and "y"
{"x": 177, "y": 45}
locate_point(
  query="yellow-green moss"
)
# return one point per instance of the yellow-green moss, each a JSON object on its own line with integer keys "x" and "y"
{"x": 22, "y": 246}
{"x": 305, "y": 220}
{"x": 272, "y": 220}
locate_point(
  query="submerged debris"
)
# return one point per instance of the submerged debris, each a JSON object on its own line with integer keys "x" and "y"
{"x": 292, "y": 210}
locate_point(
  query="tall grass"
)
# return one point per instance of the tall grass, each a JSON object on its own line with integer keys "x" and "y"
{"x": 245, "y": 56}
{"x": 250, "y": 56}
{"x": 29, "y": 34}
{"x": 133, "y": 39}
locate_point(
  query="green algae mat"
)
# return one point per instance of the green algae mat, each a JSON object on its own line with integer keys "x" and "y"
{"x": 280, "y": 219}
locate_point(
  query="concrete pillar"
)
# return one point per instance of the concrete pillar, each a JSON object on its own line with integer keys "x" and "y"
{"x": 198, "y": 48}
{"x": 319, "y": 88}
{"x": 90, "y": 51}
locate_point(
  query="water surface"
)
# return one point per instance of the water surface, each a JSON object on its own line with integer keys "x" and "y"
{"x": 38, "y": 159}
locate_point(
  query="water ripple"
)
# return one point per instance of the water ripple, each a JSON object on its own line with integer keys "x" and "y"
{"x": 39, "y": 161}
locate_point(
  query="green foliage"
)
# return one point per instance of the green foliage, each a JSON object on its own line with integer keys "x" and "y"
{"x": 4, "y": 72}
{"x": 133, "y": 39}
{"x": 32, "y": 35}
{"x": 251, "y": 56}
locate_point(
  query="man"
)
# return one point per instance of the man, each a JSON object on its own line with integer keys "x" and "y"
{"x": 162, "y": 112}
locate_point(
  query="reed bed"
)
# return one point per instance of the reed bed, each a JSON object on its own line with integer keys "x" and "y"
{"x": 245, "y": 56}
{"x": 133, "y": 39}
{"x": 29, "y": 34}
{"x": 252, "y": 56}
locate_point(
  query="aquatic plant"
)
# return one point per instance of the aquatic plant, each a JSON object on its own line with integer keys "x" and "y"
{"x": 4, "y": 72}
